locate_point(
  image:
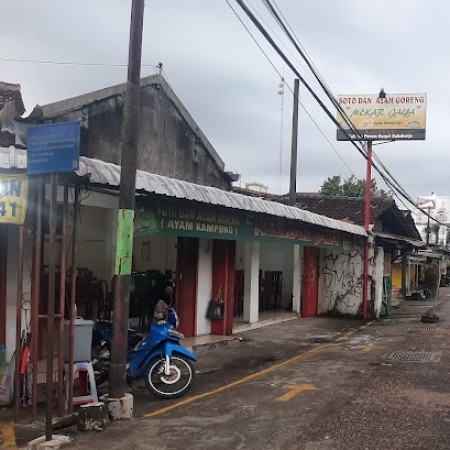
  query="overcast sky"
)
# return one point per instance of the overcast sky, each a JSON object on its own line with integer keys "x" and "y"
{"x": 231, "y": 89}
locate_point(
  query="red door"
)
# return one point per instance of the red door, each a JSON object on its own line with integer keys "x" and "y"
{"x": 186, "y": 284}
{"x": 223, "y": 278}
{"x": 3, "y": 245}
{"x": 310, "y": 284}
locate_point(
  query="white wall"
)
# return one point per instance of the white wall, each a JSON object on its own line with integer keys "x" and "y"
{"x": 251, "y": 281}
{"x": 157, "y": 252}
{"x": 340, "y": 280}
{"x": 204, "y": 286}
{"x": 378, "y": 279}
{"x": 297, "y": 278}
{"x": 94, "y": 239}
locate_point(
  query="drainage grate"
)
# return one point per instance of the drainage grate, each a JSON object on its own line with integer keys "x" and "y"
{"x": 425, "y": 329}
{"x": 413, "y": 356}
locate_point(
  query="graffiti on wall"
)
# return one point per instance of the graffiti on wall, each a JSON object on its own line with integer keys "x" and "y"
{"x": 342, "y": 280}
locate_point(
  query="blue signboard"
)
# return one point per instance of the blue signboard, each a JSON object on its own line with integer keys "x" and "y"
{"x": 53, "y": 148}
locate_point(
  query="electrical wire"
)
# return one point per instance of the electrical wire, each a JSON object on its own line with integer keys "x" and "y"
{"x": 289, "y": 88}
{"x": 394, "y": 184}
{"x": 318, "y": 77}
{"x": 276, "y": 35}
{"x": 281, "y": 20}
{"x": 68, "y": 63}
{"x": 291, "y": 66}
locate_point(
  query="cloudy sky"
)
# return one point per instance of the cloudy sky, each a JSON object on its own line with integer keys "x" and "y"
{"x": 230, "y": 87}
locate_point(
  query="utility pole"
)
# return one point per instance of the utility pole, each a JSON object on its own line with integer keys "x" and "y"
{"x": 293, "y": 179}
{"x": 124, "y": 243}
{"x": 366, "y": 227}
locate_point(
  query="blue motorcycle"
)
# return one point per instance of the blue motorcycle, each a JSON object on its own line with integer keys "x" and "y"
{"x": 159, "y": 357}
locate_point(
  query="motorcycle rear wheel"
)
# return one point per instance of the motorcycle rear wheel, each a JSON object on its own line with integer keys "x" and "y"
{"x": 176, "y": 384}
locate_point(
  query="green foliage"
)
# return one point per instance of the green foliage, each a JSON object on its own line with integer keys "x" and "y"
{"x": 351, "y": 187}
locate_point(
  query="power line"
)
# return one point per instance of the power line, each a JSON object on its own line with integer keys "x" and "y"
{"x": 67, "y": 63}
{"x": 293, "y": 68}
{"x": 393, "y": 184}
{"x": 318, "y": 77}
{"x": 281, "y": 76}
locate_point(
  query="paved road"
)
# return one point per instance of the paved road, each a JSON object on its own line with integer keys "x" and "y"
{"x": 321, "y": 384}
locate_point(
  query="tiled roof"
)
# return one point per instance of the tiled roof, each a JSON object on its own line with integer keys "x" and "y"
{"x": 384, "y": 213}
{"x": 7, "y": 139}
{"x": 348, "y": 209}
{"x": 8, "y": 92}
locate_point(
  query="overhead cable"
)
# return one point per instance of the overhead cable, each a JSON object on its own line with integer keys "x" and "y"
{"x": 394, "y": 184}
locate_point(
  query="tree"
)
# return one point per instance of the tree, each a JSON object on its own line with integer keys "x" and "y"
{"x": 351, "y": 187}
{"x": 435, "y": 228}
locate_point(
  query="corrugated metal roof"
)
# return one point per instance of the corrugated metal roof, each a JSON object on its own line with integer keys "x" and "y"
{"x": 103, "y": 173}
{"x": 396, "y": 238}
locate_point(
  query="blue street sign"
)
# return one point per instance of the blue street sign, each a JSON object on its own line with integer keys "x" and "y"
{"x": 53, "y": 148}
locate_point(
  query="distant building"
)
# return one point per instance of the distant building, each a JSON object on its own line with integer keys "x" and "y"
{"x": 256, "y": 187}
{"x": 439, "y": 208}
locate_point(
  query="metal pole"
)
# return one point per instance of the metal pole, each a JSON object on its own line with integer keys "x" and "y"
{"x": 73, "y": 294}
{"x": 428, "y": 228}
{"x": 124, "y": 244}
{"x": 18, "y": 325}
{"x": 62, "y": 298}
{"x": 40, "y": 199}
{"x": 293, "y": 181}
{"x": 51, "y": 306}
{"x": 366, "y": 227}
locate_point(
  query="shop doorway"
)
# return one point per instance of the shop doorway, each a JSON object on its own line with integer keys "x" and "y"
{"x": 186, "y": 284}
{"x": 310, "y": 284}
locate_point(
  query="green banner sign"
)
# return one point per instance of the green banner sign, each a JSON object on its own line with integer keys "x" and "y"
{"x": 181, "y": 218}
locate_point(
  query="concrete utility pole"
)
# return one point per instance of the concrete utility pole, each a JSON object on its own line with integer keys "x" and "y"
{"x": 124, "y": 243}
{"x": 293, "y": 180}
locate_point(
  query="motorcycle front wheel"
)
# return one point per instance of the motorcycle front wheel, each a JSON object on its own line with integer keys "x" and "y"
{"x": 177, "y": 383}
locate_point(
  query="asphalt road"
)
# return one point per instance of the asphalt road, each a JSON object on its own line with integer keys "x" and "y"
{"x": 319, "y": 384}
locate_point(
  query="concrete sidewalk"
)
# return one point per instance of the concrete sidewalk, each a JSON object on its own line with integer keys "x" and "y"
{"x": 416, "y": 308}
